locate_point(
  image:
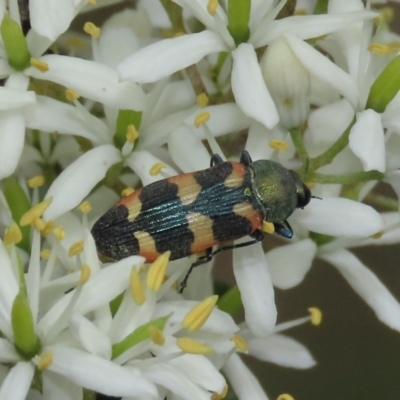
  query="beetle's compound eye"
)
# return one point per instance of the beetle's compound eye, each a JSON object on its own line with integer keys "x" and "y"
{"x": 303, "y": 196}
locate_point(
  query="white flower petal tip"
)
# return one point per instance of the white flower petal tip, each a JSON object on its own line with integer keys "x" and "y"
{"x": 368, "y": 286}
{"x": 281, "y": 350}
{"x": 168, "y": 56}
{"x": 252, "y": 276}
{"x": 289, "y": 264}
{"x": 251, "y": 93}
{"x": 78, "y": 179}
{"x": 340, "y": 217}
{"x": 367, "y": 140}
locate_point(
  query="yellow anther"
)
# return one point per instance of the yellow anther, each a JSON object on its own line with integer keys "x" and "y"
{"x": 36, "y": 181}
{"x": 75, "y": 42}
{"x": 301, "y": 11}
{"x": 13, "y": 234}
{"x": 268, "y": 227}
{"x": 59, "y": 232}
{"x": 93, "y": 2}
{"x": 278, "y": 145}
{"x": 131, "y": 134}
{"x": 285, "y": 396}
{"x": 240, "y": 343}
{"x": 137, "y": 290}
{"x": 156, "y": 168}
{"x": 71, "y": 95}
{"x": 48, "y": 229}
{"x": 202, "y": 100}
{"x": 127, "y": 192}
{"x": 377, "y": 235}
{"x": 40, "y": 65}
{"x": 76, "y": 248}
{"x": 91, "y": 29}
{"x": 35, "y": 212}
{"x": 212, "y": 7}
{"x": 199, "y": 314}
{"x": 178, "y": 34}
{"x": 384, "y": 49}
{"x": 156, "y": 273}
{"x": 315, "y": 315}
{"x": 39, "y": 224}
{"x": 85, "y": 274}
{"x": 45, "y": 254}
{"x": 220, "y": 396}
{"x": 386, "y": 15}
{"x": 202, "y": 118}
{"x": 45, "y": 361}
{"x": 193, "y": 346}
{"x": 156, "y": 335}
{"x": 85, "y": 207}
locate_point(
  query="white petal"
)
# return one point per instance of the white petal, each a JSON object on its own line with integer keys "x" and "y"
{"x": 324, "y": 69}
{"x": 175, "y": 381}
{"x": 50, "y": 18}
{"x": 289, "y": 264}
{"x": 8, "y": 353}
{"x": 17, "y": 382}
{"x": 244, "y": 383}
{"x": 249, "y": 89}
{"x": 50, "y": 115}
{"x": 168, "y": 56}
{"x": 254, "y": 282}
{"x": 12, "y": 128}
{"x": 182, "y": 139}
{"x": 76, "y": 181}
{"x": 368, "y": 286}
{"x": 90, "y": 337}
{"x": 142, "y": 161}
{"x": 92, "y": 80}
{"x": 281, "y": 350}
{"x": 58, "y": 387}
{"x": 308, "y": 26}
{"x": 105, "y": 376}
{"x": 340, "y": 217}
{"x": 12, "y": 98}
{"x": 367, "y": 140}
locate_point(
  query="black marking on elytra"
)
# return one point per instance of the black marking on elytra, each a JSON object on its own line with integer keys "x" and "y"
{"x": 163, "y": 215}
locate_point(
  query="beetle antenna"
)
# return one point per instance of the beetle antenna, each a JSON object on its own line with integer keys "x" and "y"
{"x": 316, "y": 197}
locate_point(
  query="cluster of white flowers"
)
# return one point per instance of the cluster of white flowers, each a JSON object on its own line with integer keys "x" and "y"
{"x": 86, "y": 116}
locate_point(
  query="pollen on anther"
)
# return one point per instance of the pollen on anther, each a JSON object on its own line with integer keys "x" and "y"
{"x": 131, "y": 134}
{"x": 202, "y": 100}
{"x": 384, "y": 49}
{"x": 13, "y": 234}
{"x": 45, "y": 361}
{"x": 199, "y": 314}
{"x": 71, "y": 95}
{"x": 85, "y": 207}
{"x": 137, "y": 290}
{"x": 91, "y": 29}
{"x": 201, "y": 119}
{"x": 39, "y": 224}
{"x": 156, "y": 168}
{"x": 85, "y": 274}
{"x": 212, "y": 6}
{"x": 76, "y": 248}
{"x": 278, "y": 145}
{"x": 59, "y": 233}
{"x": 36, "y": 181}
{"x": 156, "y": 272}
{"x": 191, "y": 346}
{"x": 315, "y": 315}
{"x": 127, "y": 191}
{"x": 40, "y": 65}
{"x": 240, "y": 343}
{"x": 35, "y": 212}
{"x": 285, "y": 396}
{"x": 156, "y": 335}
{"x": 45, "y": 254}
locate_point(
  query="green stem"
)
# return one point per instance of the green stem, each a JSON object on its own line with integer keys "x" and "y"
{"x": 382, "y": 201}
{"x": 297, "y": 139}
{"x": 175, "y": 15}
{"x": 347, "y": 179}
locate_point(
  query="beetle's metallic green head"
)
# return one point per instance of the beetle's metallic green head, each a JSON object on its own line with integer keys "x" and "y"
{"x": 279, "y": 190}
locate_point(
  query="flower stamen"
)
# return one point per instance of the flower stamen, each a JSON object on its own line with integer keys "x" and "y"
{"x": 199, "y": 314}
{"x": 137, "y": 290}
{"x": 76, "y": 248}
{"x": 193, "y": 346}
{"x": 91, "y": 29}
{"x": 156, "y": 273}
{"x": 40, "y": 65}
{"x": 156, "y": 168}
{"x": 202, "y": 118}
{"x": 36, "y": 181}
{"x": 45, "y": 361}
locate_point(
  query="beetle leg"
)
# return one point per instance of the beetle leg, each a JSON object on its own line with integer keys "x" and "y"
{"x": 200, "y": 261}
{"x": 215, "y": 159}
{"x": 256, "y": 235}
{"x": 245, "y": 158}
{"x": 283, "y": 229}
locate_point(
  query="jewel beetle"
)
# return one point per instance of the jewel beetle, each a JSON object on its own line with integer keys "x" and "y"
{"x": 190, "y": 213}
